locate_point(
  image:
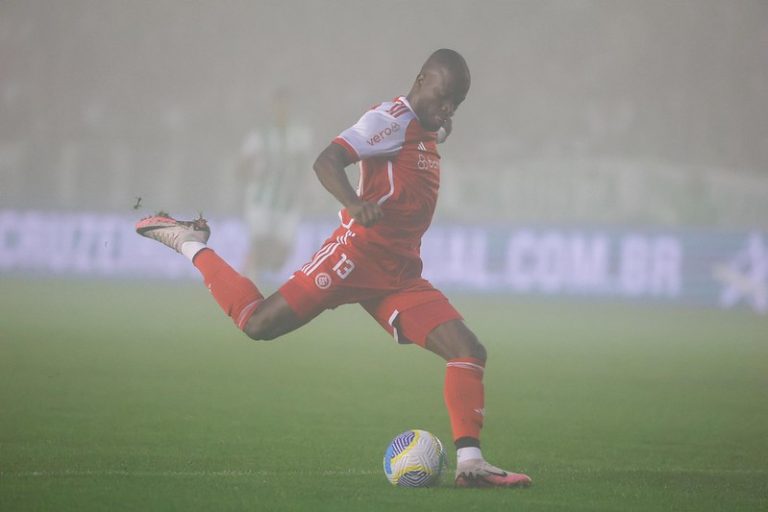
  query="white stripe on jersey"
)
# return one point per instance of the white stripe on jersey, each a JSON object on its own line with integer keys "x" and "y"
{"x": 360, "y": 181}
{"x": 391, "y": 183}
{"x": 391, "y": 321}
{"x": 324, "y": 253}
{"x": 348, "y": 224}
{"x": 319, "y": 254}
{"x": 328, "y": 252}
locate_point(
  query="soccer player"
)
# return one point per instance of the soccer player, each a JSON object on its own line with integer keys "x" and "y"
{"x": 373, "y": 256}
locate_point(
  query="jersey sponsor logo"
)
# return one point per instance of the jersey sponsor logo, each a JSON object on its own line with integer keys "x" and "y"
{"x": 383, "y": 134}
{"x": 323, "y": 281}
{"x": 424, "y": 163}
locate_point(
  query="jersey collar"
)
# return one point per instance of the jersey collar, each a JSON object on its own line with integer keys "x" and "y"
{"x": 405, "y": 102}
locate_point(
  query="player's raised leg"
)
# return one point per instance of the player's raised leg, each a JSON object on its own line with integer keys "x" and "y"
{"x": 241, "y": 300}
{"x": 464, "y": 395}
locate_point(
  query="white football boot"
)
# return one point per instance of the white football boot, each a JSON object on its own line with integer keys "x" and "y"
{"x": 171, "y": 232}
{"x": 478, "y": 473}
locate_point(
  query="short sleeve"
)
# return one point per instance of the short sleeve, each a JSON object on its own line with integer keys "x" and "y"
{"x": 376, "y": 134}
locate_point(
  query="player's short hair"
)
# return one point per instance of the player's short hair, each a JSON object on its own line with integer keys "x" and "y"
{"x": 451, "y": 60}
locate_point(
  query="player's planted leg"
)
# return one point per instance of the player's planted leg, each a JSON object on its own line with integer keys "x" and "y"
{"x": 464, "y": 395}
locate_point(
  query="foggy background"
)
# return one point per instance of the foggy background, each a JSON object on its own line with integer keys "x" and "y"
{"x": 618, "y": 112}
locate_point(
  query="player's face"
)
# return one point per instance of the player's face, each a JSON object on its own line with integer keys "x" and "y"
{"x": 440, "y": 95}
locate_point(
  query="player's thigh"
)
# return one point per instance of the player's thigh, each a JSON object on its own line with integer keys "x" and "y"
{"x": 273, "y": 318}
{"x": 412, "y": 313}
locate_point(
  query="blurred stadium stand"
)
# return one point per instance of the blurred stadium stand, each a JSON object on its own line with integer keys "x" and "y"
{"x": 642, "y": 113}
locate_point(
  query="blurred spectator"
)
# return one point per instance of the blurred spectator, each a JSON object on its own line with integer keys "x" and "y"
{"x": 275, "y": 168}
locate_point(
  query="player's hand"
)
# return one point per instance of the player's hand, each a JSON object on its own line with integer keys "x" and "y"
{"x": 444, "y": 131}
{"x": 365, "y": 212}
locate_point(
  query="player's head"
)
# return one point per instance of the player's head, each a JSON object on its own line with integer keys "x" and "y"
{"x": 440, "y": 87}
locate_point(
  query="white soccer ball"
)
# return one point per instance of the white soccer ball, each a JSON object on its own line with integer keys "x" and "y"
{"x": 415, "y": 458}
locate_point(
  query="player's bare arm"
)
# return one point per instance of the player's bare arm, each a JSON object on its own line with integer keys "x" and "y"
{"x": 329, "y": 168}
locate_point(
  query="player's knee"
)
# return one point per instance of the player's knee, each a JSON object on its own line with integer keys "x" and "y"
{"x": 261, "y": 327}
{"x": 475, "y": 349}
{"x": 261, "y": 335}
{"x": 454, "y": 340}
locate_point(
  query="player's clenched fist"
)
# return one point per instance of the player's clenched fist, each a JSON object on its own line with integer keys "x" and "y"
{"x": 365, "y": 212}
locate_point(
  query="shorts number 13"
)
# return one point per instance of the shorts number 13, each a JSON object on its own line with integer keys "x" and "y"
{"x": 344, "y": 267}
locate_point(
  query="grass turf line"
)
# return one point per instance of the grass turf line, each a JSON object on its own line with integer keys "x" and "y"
{"x": 136, "y": 396}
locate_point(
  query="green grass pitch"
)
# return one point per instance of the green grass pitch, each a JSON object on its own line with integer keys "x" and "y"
{"x": 139, "y": 396}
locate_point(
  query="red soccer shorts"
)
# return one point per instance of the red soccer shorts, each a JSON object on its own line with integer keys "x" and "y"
{"x": 347, "y": 270}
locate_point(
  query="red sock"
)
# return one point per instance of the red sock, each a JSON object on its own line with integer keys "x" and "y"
{"x": 236, "y": 295}
{"x": 465, "y": 396}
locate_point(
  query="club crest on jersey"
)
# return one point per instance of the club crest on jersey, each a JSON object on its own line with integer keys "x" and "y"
{"x": 323, "y": 281}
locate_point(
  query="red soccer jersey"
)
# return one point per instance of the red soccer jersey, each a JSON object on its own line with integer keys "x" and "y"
{"x": 380, "y": 266}
{"x": 399, "y": 169}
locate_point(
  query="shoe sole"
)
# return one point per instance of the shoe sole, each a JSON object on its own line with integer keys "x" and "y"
{"x": 149, "y": 223}
{"x": 153, "y": 223}
{"x": 483, "y": 483}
